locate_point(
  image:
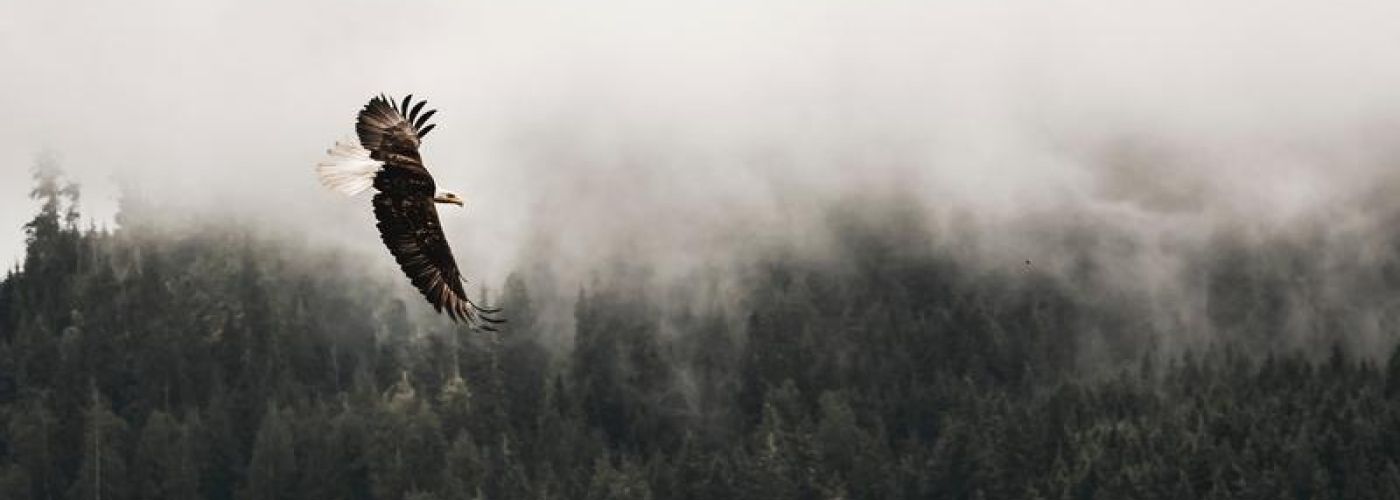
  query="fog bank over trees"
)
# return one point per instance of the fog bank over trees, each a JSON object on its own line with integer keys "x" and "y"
{"x": 219, "y": 359}
{"x": 702, "y": 127}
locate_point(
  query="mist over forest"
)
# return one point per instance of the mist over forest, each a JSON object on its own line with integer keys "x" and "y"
{"x": 809, "y": 250}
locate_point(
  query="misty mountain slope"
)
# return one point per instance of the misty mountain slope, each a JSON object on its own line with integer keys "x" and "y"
{"x": 210, "y": 359}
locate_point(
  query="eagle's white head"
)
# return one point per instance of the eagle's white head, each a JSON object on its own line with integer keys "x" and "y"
{"x": 445, "y": 196}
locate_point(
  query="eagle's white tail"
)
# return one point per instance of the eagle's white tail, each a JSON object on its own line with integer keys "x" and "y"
{"x": 349, "y": 169}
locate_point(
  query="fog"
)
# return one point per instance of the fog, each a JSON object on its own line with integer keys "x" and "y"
{"x": 686, "y": 134}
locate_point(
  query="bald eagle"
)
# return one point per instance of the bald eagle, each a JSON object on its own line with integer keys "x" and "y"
{"x": 384, "y": 155}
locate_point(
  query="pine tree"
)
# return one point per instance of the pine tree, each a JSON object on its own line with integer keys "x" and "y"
{"x": 164, "y": 467}
{"x": 103, "y": 473}
{"x": 618, "y": 483}
{"x": 463, "y": 469}
{"x": 32, "y": 447}
{"x": 349, "y": 448}
{"x": 272, "y": 472}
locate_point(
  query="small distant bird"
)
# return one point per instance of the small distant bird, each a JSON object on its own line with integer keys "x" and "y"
{"x": 385, "y": 157}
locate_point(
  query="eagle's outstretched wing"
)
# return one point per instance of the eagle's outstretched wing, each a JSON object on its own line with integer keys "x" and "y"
{"x": 392, "y": 132}
{"x": 408, "y": 220}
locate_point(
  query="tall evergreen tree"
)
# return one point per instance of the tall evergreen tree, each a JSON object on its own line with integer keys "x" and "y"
{"x": 103, "y": 472}
{"x": 163, "y": 466}
{"x": 272, "y": 471}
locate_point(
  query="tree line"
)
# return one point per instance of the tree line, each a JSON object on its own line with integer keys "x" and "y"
{"x": 217, "y": 364}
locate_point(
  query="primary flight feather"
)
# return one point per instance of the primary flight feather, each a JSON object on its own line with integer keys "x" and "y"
{"x": 384, "y": 155}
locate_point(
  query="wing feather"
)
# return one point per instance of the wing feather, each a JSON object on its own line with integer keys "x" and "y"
{"x": 423, "y": 119}
{"x": 384, "y": 131}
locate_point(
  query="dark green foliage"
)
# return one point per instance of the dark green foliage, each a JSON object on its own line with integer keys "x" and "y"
{"x": 102, "y": 469}
{"x": 163, "y": 466}
{"x": 272, "y": 471}
{"x": 164, "y": 361}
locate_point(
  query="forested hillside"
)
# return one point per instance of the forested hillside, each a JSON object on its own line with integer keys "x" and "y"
{"x": 214, "y": 362}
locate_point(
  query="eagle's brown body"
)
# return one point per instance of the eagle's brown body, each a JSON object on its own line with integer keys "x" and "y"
{"x": 404, "y": 206}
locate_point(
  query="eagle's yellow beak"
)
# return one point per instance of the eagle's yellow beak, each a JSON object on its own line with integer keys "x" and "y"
{"x": 449, "y": 198}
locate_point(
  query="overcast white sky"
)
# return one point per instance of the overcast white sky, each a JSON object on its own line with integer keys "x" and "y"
{"x": 603, "y": 118}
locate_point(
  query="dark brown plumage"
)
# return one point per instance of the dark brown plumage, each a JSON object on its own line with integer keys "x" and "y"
{"x": 404, "y": 207}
